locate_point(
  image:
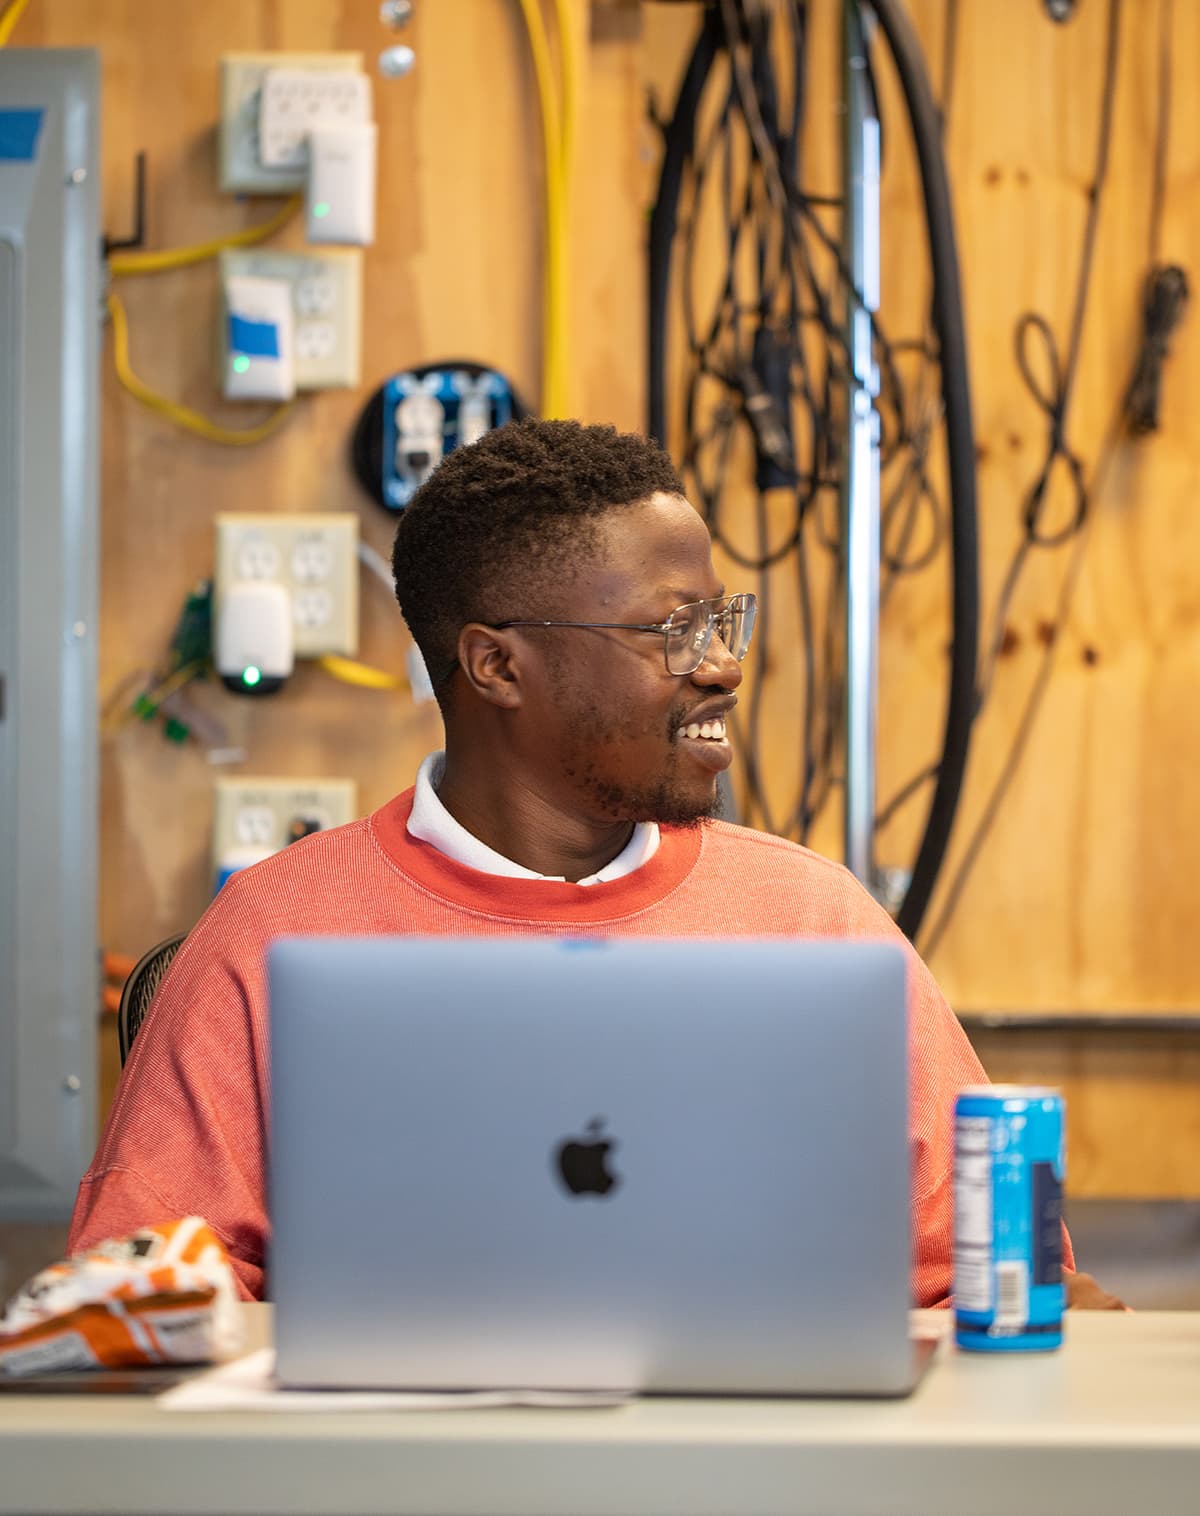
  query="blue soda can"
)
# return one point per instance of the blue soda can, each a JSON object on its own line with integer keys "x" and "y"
{"x": 1009, "y": 1165}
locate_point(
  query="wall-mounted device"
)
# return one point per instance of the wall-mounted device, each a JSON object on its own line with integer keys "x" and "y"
{"x": 253, "y": 646}
{"x": 323, "y": 288}
{"x": 49, "y": 467}
{"x": 302, "y": 121}
{"x": 258, "y": 338}
{"x": 285, "y": 586}
{"x": 340, "y": 200}
{"x": 255, "y": 817}
{"x": 418, "y": 416}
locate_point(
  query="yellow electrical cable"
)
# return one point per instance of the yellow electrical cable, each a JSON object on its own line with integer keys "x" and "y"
{"x": 554, "y": 371}
{"x": 10, "y": 18}
{"x": 175, "y": 681}
{"x": 569, "y": 79}
{"x": 568, "y": 82}
{"x": 158, "y": 262}
{"x": 350, "y": 671}
{"x": 182, "y": 415}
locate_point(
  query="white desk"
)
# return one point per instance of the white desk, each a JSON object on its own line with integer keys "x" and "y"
{"x": 1110, "y": 1424}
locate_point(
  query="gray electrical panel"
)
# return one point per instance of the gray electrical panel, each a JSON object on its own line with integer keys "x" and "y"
{"x": 49, "y": 339}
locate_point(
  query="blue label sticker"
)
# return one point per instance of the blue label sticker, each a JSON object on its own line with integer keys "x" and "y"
{"x": 19, "y": 134}
{"x": 259, "y": 339}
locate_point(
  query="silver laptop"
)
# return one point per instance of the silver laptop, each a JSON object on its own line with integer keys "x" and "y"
{"x": 653, "y": 1165}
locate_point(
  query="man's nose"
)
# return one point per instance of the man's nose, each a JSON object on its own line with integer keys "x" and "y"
{"x": 719, "y": 668}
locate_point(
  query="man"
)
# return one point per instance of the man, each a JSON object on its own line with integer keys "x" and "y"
{"x": 585, "y": 658}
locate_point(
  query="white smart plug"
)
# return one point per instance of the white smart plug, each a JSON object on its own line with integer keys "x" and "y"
{"x": 253, "y": 645}
{"x": 340, "y": 199}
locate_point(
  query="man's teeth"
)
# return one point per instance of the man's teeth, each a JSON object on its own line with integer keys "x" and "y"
{"x": 713, "y": 729}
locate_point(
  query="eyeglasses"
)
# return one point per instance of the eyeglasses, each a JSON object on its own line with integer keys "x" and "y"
{"x": 687, "y": 632}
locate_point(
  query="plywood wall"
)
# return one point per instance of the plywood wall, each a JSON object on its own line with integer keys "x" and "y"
{"x": 1084, "y": 897}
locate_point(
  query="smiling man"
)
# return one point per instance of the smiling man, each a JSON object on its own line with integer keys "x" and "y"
{"x": 585, "y": 657}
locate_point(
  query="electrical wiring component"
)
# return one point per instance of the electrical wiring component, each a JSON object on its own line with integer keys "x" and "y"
{"x": 558, "y": 108}
{"x": 162, "y": 261}
{"x": 418, "y": 415}
{"x": 767, "y": 356}
{"x": 350, "y": 671}
{"x": 165, "y": 692}
{"x": 159, "y": 261}
{"x": 375, "y": 563}
{"x": 1055, "y": 402}
{"x": 182, "y": 415}
{"x": 10, "y": 18}
{"x": 1165, "y": 296}
{"x": 1163, "y": 307}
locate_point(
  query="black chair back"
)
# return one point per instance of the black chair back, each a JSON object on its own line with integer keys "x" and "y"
{"x": 148, "y": 973}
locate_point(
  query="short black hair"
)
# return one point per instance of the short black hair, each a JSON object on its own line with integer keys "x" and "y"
{"x": 498, "y": 523}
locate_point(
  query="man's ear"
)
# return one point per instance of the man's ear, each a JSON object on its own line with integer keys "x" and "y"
{"x": 491, "y": 662}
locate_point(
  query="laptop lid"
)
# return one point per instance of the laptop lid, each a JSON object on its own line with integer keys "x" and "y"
{"x": 658, "y": 1165}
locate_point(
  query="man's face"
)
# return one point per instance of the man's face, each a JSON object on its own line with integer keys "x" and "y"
{"x": 607, "y": 725}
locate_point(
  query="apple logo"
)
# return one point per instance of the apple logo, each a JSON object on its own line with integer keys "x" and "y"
{"x": 583, "y": 1163}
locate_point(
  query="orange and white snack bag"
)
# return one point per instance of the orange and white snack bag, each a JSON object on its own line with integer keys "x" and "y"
{"x": 165, "y": 1294}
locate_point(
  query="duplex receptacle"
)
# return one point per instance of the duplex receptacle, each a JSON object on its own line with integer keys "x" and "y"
{"x": 326, "y": 291}
{"x": 314, "y": 556}
{"x": 253, "y": 817}
{"x": 242, "y": 170}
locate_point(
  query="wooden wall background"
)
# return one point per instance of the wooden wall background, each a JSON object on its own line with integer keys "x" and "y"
{"x": 1085, "y": 898}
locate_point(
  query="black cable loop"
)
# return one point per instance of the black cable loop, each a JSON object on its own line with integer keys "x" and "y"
{"x": 1053, "y": 403}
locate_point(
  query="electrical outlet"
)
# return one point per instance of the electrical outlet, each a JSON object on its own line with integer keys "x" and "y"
{"x": 296, "y": 101}
{"x": 326, "y": 291}
{"x": 242, "y": 170}
{"x": 253, "y": 818}
{"x": 314, "y": 556}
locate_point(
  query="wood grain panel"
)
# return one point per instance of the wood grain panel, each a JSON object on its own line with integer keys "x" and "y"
{"x": 1133, "y": 1120}
{"x": 1082, "y": 895}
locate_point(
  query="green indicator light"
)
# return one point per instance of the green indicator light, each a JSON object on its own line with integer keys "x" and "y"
{"x": 321, "y": 209}
{"x": 241, "y": 363}
{"x": 251, "y": 676}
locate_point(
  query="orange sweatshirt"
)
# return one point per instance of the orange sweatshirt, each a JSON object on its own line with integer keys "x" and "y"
{"x": 187, "y": 1130}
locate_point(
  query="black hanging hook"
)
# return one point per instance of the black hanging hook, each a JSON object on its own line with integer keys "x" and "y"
{"x": 119, "y": 244}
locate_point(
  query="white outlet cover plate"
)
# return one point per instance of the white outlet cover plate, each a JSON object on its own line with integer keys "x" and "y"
{"x": 252, "y": 813}
{"x": 242, "y": 74}
{"x": 326, "y": 288}
{"x": 314, "y": 555}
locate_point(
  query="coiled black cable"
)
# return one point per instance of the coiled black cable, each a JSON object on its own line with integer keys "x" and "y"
{"x": 740, "y": 350}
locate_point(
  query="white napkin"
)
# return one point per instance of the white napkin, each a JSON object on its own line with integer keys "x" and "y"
{"x": 248, "y": 1384}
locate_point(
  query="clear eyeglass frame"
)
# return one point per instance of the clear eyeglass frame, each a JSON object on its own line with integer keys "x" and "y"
{"x": 687, "y": 632}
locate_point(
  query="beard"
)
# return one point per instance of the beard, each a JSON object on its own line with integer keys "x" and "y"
{"x": 663, "y": 792}
{"x": 665, "y": 804}
{"x": 666, "y": 800}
